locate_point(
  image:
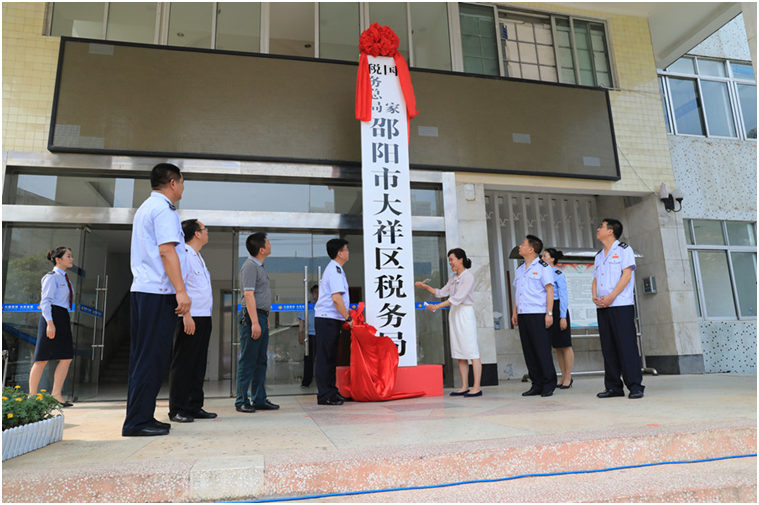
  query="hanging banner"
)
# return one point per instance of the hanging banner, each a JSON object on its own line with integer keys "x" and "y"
{"x": 383, "y": 92}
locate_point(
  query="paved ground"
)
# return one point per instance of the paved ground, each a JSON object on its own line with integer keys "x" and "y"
{"x": 278, "y": 449}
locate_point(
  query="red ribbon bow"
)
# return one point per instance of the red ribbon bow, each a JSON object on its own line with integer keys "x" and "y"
{"x": 381, "y": 41}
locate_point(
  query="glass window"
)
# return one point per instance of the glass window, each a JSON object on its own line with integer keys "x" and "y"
{"x": 747, "y": 97}
{"x": 78, "y": 19}
{"x": 190, "y": 24}
{"x": 429, "y": 29}
{"x": 238, "y": 26}
{"x": 683, "y": 66}
{"x": 743, "y": 71}
{"x": 686, "y": 106}
{"x": 664, "y": 104}
{"x": 528, "y": 51}
{"x": 132, "y": 22}
{"x": 711, "y": 67}
{"x": 566, "y": 54}
{"x": 741, "y": 233}
{"x": 718, "y": 111}
{"x": 339, "y": 30}
{"x": 724, "y": 284}
{"x": 688, "y": 233}
{"x": 695, "y": 284}
{"x": 291, "y": 29}
{"x": 478, "y": 39}
{"x": 78, "y": 191}
{"x": 600, "y": 55}
{"x": 708, "y": 232}
{"x": 394, "y": 15}
{"x": 744, "y": 269}
{"x": 718, "y": 296}
{"x": 584, "y": 57}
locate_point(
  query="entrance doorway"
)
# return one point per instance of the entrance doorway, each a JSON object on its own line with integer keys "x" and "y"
{"x": 102, "y": 279}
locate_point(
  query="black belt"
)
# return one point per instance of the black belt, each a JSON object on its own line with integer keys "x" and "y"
{"x": 264, "y": 312}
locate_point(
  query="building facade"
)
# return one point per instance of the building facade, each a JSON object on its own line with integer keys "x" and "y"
{"x": 714, "y": 158}
{"x": 75, "y": 166}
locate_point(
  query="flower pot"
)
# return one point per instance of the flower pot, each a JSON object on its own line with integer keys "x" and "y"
{"x": 27, "y": 438}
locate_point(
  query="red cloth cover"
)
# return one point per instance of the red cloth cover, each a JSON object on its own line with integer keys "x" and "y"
{"x": 374, "y": 364}
{"x": 381, "y": 41}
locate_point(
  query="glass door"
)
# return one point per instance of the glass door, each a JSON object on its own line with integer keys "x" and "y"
{"x": 293, "y": 267}
{"x": 91, "y": 316}
{"x": 24, "y": 250}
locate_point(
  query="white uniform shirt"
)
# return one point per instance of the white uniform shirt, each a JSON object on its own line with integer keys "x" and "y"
{"x": 608, "y": 270}
{"x": 197, "y": 281}
{"x": 531, "y": 282}
{"x": 333, "y": 281}
{"x": 156, "y": 222}
{"x": 55, "y": 291}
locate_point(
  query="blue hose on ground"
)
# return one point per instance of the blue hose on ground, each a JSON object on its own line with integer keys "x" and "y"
{"x": 415, "y": 488}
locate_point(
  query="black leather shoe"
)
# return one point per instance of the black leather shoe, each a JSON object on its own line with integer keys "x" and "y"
{"x": 634, "y": 395}
{"x": 148, "y": 431}
{"x": 159, "y": 424}
{"x": 202, "y": 414}
{"x": 547, "y": 393}
{"x": 267, "y": 405}
{"x": 609, "y": 394}
{"x": 248, "y": 409}
{"x": 330, "y": 401}
{"x": 532, "y": 392}
{"x": 181, "y": 418}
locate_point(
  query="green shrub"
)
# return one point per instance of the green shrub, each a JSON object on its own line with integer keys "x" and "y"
{"x": 20, "y": 409}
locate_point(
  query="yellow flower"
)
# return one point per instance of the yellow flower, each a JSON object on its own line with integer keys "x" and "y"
{"x": 39, "y": 398}
{"x": 18, "y": 399}
{"x": 10, "y": 416}
{"x": 5, "y": 397}
{"x": 18, "y": 387}
{"x": 43, "y": 390}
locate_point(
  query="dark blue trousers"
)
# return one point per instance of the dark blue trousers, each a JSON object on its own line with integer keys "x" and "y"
{"x": 188, "y": 367}
{"x": 327, "y": 342}
{"x": 619, "y": 345}
{"x": 153, "y": 322}
{"x": 536, "y": 346}
{"x": 251, "y": 367}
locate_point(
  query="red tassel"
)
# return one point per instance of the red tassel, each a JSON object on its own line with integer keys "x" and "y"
{"x": 363, "y": 90}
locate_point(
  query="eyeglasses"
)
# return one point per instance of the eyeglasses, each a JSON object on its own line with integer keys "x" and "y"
{"x": 202, "y": 230}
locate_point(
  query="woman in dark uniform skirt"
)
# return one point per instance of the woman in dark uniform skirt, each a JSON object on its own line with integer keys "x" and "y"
{"x": 54, "y": 341}
{"x": 560, "y": 331}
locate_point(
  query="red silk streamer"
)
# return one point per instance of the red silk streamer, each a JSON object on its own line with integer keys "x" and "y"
{"x": 374, "y": 364}
{"x": 381, "y": 41}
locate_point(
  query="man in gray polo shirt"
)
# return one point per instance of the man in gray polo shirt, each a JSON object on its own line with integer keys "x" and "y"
{"x": 254, "y": 327}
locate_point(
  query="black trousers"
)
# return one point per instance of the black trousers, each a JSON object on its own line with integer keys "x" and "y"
{"x": 327, "y": 341}
{"x": 619, "y": 346}
{"x": 153, "y": 322}
{"x": 188, "y": 367}
{"x": 536, "y": 346}
{"x": 308, "y": 362}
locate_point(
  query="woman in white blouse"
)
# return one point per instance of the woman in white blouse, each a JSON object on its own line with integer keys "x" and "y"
{"x": 460, "y": 293}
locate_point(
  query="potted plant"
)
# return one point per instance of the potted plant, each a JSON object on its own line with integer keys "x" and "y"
{"x": 29, "y": 421}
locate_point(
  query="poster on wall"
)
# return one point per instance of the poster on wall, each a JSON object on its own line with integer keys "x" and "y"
{"x": 582, "y": 310}
{"x": 383, "y": 91}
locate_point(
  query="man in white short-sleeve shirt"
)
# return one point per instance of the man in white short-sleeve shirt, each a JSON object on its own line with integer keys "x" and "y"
{"x": 613, "y": 285}
{"x": 158, "y": 296}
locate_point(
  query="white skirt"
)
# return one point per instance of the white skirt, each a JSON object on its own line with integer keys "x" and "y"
{"x": 463, "y": 332}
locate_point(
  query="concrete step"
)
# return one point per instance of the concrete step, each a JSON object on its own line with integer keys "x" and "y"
{"x": 726, "y": 481}
{"x": 293, "y": 474}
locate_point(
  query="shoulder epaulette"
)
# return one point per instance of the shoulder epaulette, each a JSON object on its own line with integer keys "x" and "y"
{"x": 558, "y": 271}
{"x": 519, "y": 265}
{"x": 51, "y": 272}
{"x": 623, "y": 245}
{"x": 599, "y": 252}
{"x": 543, "y": 263}
{"x": 338, "y": 270}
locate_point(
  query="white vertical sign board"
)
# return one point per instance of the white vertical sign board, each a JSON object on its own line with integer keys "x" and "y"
{"x": 388, "y": 254}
